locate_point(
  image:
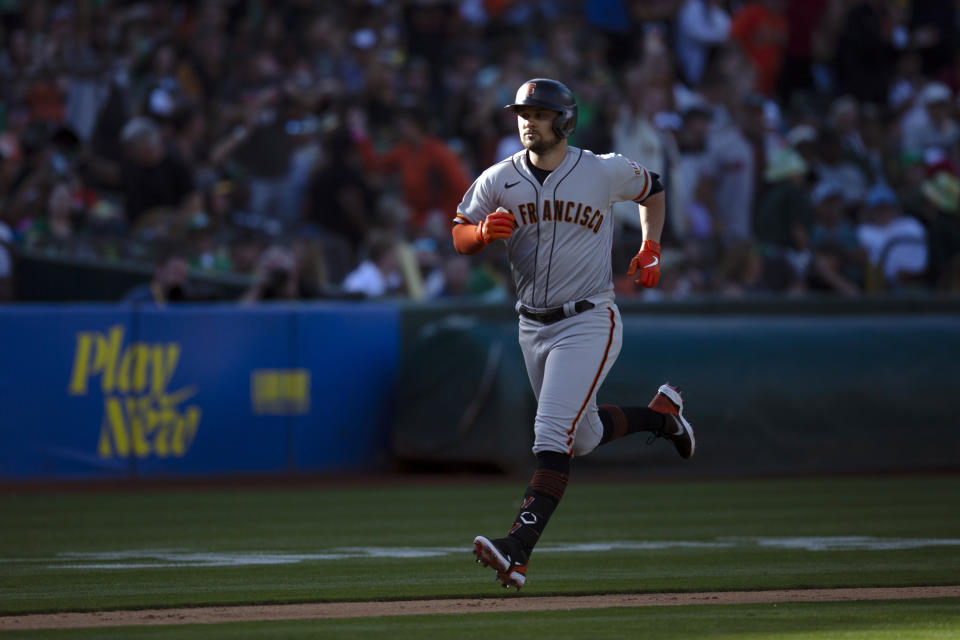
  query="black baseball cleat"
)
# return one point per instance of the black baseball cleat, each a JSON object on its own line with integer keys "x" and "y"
{"x": 504, "y": 556}
{"x": 677, "y": 430}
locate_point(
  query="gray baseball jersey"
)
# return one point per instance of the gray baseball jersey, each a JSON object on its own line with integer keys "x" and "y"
{"x": 560, "y": 254}
{"x": 560, "y": 251}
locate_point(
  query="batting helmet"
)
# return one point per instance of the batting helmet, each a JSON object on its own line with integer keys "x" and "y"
{"x": 553, "y": 95}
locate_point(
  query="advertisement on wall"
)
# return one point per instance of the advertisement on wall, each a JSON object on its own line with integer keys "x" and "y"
{"x": 114, "y": 391}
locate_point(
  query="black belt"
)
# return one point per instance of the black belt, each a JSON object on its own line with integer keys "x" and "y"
{"x": 553, "y": 315}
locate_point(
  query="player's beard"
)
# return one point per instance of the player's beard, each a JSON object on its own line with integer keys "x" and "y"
{"x": 540, "y": 145}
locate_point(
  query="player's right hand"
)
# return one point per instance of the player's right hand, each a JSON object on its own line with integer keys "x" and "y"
{"x": 498, "y": 225}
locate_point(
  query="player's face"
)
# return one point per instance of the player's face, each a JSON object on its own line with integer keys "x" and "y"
{"x": 536, "y": 129}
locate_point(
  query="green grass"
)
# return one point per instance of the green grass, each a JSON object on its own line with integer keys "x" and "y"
{"x": 37, "y": 529}
{"x": 891, "y": 620}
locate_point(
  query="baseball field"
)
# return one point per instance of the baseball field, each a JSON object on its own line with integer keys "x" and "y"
{"x": 841, "y": 557}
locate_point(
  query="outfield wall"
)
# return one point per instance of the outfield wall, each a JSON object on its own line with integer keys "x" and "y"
{"x": 771, "y": 387}
{"x": 116, "y": 391}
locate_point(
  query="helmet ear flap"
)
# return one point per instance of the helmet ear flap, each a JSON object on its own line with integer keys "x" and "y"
{"x": 565, "y": 123}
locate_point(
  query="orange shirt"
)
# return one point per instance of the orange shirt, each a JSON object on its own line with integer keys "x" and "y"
{"x": 46, "y": 101}
{"x": 431, "y": 175}
{"x": 763, "y": 35}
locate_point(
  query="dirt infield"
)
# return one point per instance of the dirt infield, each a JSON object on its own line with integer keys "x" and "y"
{"x": 209, "y": 615}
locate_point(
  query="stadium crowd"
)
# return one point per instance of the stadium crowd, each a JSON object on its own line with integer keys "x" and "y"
{"x": 320, "y": 148}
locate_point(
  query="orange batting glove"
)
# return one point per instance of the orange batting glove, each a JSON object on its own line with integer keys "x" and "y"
{"x": 647, "y": 261}
{"x": 498, "y": 225}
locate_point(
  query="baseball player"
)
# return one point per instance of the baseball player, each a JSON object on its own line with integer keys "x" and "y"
{"x": 551, "y": 204}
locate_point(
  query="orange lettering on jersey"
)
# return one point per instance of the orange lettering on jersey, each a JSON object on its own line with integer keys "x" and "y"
{"x": 562, "y": 211}
{"x": 593, "y": 219}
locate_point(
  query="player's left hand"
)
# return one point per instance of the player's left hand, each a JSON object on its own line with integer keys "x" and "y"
{"x": 647, "y": 262}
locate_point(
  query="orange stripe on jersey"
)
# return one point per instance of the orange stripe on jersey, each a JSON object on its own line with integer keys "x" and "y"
{"x": 462, "y": 218}
{"x": 606, "y": 352}
{"x": 646, "y": 186}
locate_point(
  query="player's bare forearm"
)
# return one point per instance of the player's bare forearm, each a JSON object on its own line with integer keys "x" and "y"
{"x": 645, "y": 266}
{"x": 652, "y": 213}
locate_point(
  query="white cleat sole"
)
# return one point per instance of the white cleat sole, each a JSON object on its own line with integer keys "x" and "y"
{"x": 488, "y": 555}
{"x": 674, "y": 396}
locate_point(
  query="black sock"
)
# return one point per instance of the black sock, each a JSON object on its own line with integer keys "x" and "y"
{"x": 621, "y": 421}
{"x": 541, "y": 499}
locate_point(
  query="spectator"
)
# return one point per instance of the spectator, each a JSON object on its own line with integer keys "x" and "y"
{"x": 224, "y": 150}
{"x": 432, "y": 176}
{"x": 614, "y": 23}
{"x": 933, "y": 29}
{"x": 783, "y": 219}
{"x": 692, "y": 218}
{"x": 472, "y": 113}
{"x": 760, "y": 29}
{"x": 942, "y": 218}
{"x": 833, "y": 165}
{"x": 189, "y": 137}
{"x": 508, "y": 142}
{"x": 56, "y": 228}
{"x": 105, "y": 152}
{"x": 931, "y": 125}
{"x": 313, "y": 273}
{"x": 838, "y": 259}
{"x": 896, "y": 244}
{"x": 864, "y": 52}
{"x": 455, "y": 278}
{"x": 702, "y": 25}
{"x": 276, "y": 277}
{"x": 169, "y": 284}
{"x": 489, "y": 278}
{"x": 906, "y": 83}
{"x": 878, "y": 155}
{"x": 245, "y": 249}
{"x": 754, "y": 118}
{"x": 379, "y": 273}
{"x": 740, "y": 272}
{"x": 803, "y": 18}
{"x": 843, "y": 117}
{"x": 728, "y": 170}
{"x": 156, "y": 91}
{"x": 154, "y": 174}
{"x": 636, "y": 135}
{"x": 261, "y": 146}
{"x": 803, "y": 139}
{"x": 339, "y": 198}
